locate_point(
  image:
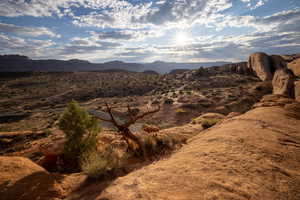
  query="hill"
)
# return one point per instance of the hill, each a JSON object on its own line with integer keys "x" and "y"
{"x": 18, "y": 63}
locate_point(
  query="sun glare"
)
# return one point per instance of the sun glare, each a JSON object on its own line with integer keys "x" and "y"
{"x": 181, "y": 38}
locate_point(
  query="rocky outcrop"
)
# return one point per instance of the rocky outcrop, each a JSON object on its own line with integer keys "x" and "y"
{"x": 252, "y": 156}
{"x": 295, "y": 67}
{"x": 283, "y": 82}
{"x": 208, "y": 116}
{"x": 290, "y": 58}
{"x": 277, "y": 62}
{"x": 22, "y": 179}
{"x": 52, "y": 154}
{"x": 260, "y": 64}
{"x": 239, "y": 68}
{"x": 297, "y": 90}
{"x": 178, "y": 71}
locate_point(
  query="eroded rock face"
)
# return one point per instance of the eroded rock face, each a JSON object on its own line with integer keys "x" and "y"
{"x": 283, "y": 82}
{"x": 206, "y": 116}
{"x": 278, "y": 62}
{"x": 22, "y": 179}
{"x": 297, "y": 90}
{"x": 52, "y": 152}
{"x": 252, "y": 156}
{"x": 261, "y": 64}
{"x": 295, "y": 67}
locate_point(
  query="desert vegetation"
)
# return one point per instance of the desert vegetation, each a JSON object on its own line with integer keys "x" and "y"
{"x": 81, "y": 131}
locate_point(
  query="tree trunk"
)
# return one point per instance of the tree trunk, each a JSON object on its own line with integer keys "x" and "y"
{"x": 133, "y": 142}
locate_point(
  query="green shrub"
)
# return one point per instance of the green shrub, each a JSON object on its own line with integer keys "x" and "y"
{"x": 80, "y": 130}
{"x": 207, "y": 123}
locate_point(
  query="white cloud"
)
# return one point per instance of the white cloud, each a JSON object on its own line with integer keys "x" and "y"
{"x": 26, "y": 31}
{"x": 29, "y": 47}
{"x": 171, "y": 13}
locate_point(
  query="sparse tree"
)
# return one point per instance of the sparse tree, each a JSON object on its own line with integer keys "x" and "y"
{"x": 81, "y": 131}
{"x": 134, "y": 144}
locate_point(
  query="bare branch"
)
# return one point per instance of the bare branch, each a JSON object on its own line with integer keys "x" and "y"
{"x": 130, "y": 112}
{"x": 134, "y": 119}
{"x": 112, "y": 118}
{"x": 109, "y": 110}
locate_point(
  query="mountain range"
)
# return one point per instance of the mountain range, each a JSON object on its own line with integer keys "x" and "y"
{"x": 19, "y": 63}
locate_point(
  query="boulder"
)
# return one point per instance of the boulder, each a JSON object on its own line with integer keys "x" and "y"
{"x": 150, "y": 128}
{"x": 22, "y": 179}
{"x": 53, "y": 154}
{"x": 208, "y": 116}
{"x": 297, "y": 90}
{"x": 278, "y": 62}
{"x": 242, "y": 68}
{"x": 233, "y": 114}
{"x": 295, "y": 67}
{"x": 283, "y": 82}
{"x": 290, "y": 58}
{"x": 260, "y": 64}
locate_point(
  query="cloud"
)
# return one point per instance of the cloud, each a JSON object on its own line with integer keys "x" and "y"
{"x": 253, "y": 4}
{"x": 126, "y": 35}
{"x": 36, "y": 8}
{"x": 29, "y": 47}
{"x": 26, "y": 31}
{"x": 115, "y": 35}
{"x": 172, "y": 13}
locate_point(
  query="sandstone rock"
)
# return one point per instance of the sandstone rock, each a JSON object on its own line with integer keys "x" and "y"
{"x": 150, "y": 128}
{"x": 297, "y": 90}
{"x": 295, "y": 67}
{"x": 233, "y": 114}
{"x": 283, "y": 82}
{"x": 252, "y": 156}
{"x": 290, "y": 58}
{"x": 278, "y": 62}
{"x": 206, "y": 116}
{"x": 261, "y": 64}
{"x": 22, "y": 179}
{"x": 53, "y": 153}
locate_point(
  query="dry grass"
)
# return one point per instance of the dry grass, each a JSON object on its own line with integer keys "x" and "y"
{"x": 207, "y": 123}
{"x": 96, "y": 164}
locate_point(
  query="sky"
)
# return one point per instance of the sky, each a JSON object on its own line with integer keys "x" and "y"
{"x": 149, "y": 30}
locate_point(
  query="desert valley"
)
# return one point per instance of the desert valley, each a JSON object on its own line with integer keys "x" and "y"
{"x": 149, "y": 100}
{"x": 213, "y": 126}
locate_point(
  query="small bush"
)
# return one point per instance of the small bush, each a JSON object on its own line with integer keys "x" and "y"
{"x": 96, "y": 164}
{"x": 169, "y": 101}
{"x": 157, "y": 145}
{"x": 207, "y": 123}
{"x": 81, "y": 133}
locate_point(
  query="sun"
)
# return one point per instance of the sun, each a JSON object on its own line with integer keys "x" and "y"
{"x": 181, "y": 38}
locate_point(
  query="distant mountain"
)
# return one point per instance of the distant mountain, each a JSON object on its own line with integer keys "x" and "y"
{"x": 18, "y": 63}
{"x": 166, "y": 67}
{"x": 14, "y": 63}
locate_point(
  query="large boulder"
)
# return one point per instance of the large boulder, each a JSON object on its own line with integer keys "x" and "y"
{"x": 297, "y": 90}
{"x": 283, "y": 82}
{"x": 252, "y": 156}
{"x": 261, "y": 65}
{"x": 295, "y": 67}
{"x": 22, "y": 179}
{"x": 52, "y": 154}
{"x": 277, "y": 62}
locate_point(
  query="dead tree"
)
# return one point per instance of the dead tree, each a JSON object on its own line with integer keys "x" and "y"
{"x": 133, "y": 142}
